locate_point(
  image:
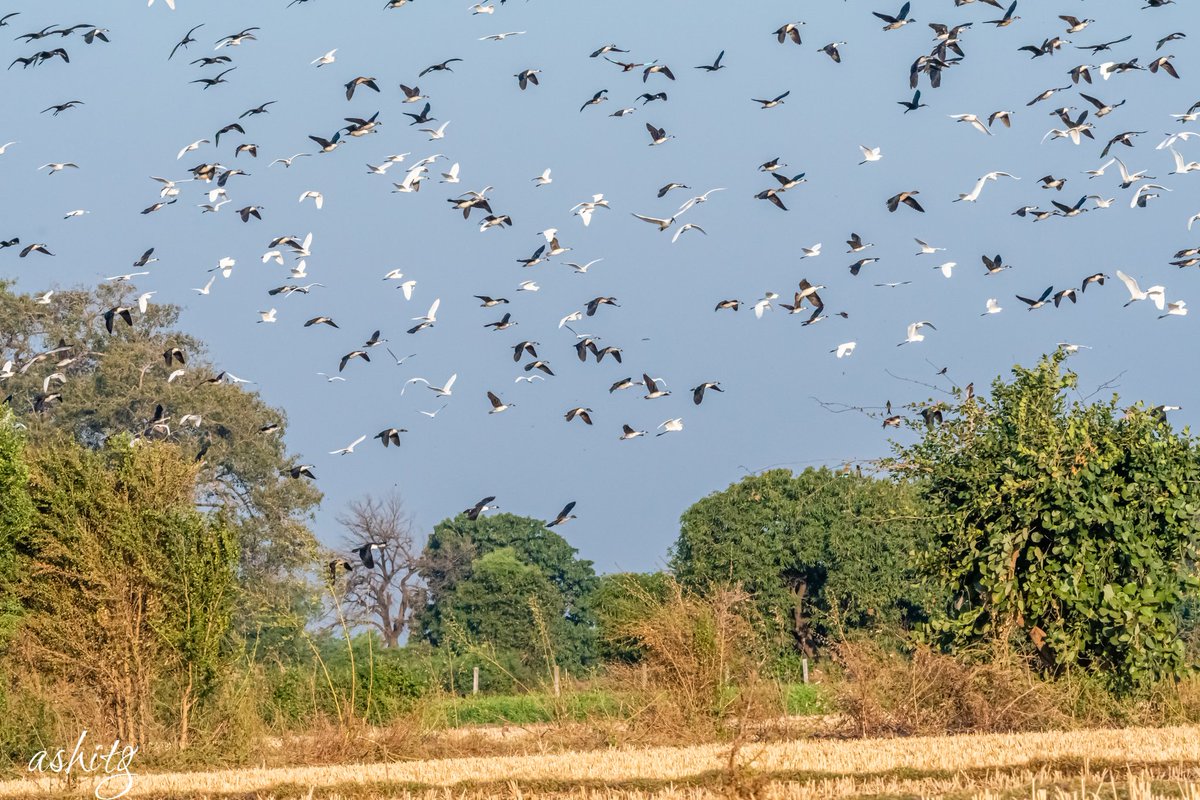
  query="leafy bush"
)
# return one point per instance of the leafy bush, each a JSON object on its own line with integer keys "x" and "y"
{"x": 1066, "y": 531}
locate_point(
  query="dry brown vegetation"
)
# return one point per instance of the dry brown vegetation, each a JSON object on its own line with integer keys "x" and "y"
{"x": 1128, "y": 762}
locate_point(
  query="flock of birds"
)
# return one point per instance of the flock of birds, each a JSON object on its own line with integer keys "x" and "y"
{"x": 215, "y": 184}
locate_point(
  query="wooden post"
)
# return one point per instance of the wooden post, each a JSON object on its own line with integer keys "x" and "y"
{"x": 804, "y": 668}
{"x": 557, "y": 685}
{"x": 475, "y": 681}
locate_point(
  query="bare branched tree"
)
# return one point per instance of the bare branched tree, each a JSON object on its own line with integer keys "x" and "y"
{"x": 386, "y": 595}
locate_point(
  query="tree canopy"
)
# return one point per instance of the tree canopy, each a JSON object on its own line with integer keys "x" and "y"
{"x": 819, "y": 552}
{"x": 16, "y": 516}
{"x": 71, "y": 375}
{"x": 127, "y": 590}
{"x": 457, "y": 548}
{"x": 1064, "y": 529}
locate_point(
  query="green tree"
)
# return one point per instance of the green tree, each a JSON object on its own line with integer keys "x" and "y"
{"x": 127, "y": 590}
{"x": 16, "y": 516}
{"x": 1063, "y": 529}
{"x": 110, "y": 384}
{"x": 456, "y": 547}
{"x": 821, "y": 552}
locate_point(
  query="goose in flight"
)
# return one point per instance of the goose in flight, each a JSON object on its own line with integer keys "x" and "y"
{"x": 653, "y": 392}
{"x": 895, "y": 22}
{"x": 772, "y": 103}
{"x": 1040, "y": 301}
{"x": 907, "y": 198}
{"x": 526, "y": 77}
{"x": 580, "y": 412}
{"x": 658, "y": 135}
{"x": 790, "y": 30}
{"x": 498, "y": 405}
{"x": 563, "y": 516}
{"x": 346, "y": 359}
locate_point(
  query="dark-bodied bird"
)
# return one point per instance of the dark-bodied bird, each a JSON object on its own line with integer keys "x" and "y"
{"x": 563, "y": 515}
{"x": 715, "y": 66}
{"x": 361, "y": 80}
{"x": 526, "y": 77}
{"x": 211, "y": 82}
{"x": 914, "y": 104}
{"x": 698, "y": 392}
{"x": 907, "y": 198}
{"x": 598, "y": 98}
{"x": 895, "y": 22}
{"x": 790, "y": 30}
{"x": 257, "y": 110}
{"x": 61, "y": 107}
{"x": 390, "y": 436}
{"x": 583, "y": 414}
{"x": 366, "y": 553}
{"x": 483, "y": 505}
{"x": 346, "y": 359}
{"x": 441, "y": 67}
{"x": 776, "y": 101}
{"x": 658, "y": 135}
{"x": 1038, "y": 303}
{"x": 657, "y": 68}
{"x": 1007, "y": 19}
{"x": 111, "y": 315}
{"x": 185, "y": 41}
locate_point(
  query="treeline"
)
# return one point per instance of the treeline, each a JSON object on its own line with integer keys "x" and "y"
{"x": 159, "y": 582}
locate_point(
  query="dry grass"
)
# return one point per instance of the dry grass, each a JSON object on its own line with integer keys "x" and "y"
{"x": 885, "y": 693}
{"x": 1006, "y": 765}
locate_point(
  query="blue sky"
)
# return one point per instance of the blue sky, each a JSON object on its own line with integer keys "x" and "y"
{"x": 140, "y": 109}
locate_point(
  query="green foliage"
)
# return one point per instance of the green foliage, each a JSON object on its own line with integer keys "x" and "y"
{"x": 509, "y": 606}
{"x": 807, "y": 699}
{"x": 1065, "y": 530}
{"x": 127, "y": 590}
{"x": 526, "y": 709}
{"x": 619, "y": 601}
{"x": 16, "y": 516}
{"x": 113, "y": 384}
{"x": 477, "y": 600}
{"x": 821, "y": 553}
